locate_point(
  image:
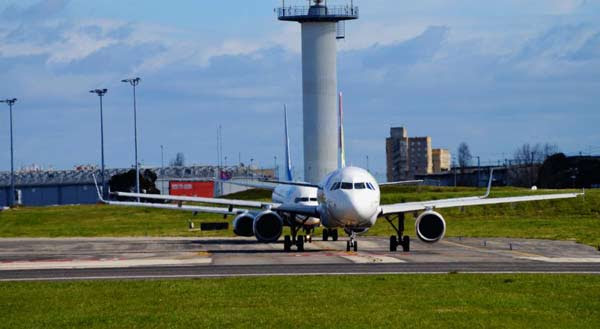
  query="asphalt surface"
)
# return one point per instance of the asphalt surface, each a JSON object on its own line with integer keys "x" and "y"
{"x": 183, "y": 272}
{"x": 146, "y": 258}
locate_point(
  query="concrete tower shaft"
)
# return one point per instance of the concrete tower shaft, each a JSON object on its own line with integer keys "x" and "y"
{"x": 319, "y": 86}
{"x": 319, "y": 83}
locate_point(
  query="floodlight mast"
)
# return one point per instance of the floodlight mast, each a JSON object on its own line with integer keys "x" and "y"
{"x": 101, "y": 93}
{"x": 10, "y": 103}
{"x": 134, "y": 82}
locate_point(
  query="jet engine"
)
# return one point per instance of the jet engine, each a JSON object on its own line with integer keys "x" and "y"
{"x": 267, "y": 226}
{"x": 242, "y": 225}
{"x": 430, "y": 226}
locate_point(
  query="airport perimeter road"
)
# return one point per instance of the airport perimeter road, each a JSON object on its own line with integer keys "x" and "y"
{"x": 148, "y": 258}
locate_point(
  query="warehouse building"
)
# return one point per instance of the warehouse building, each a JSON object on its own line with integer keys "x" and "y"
{"x": 68, "y": 187}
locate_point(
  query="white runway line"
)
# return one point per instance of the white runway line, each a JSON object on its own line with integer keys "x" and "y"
{"x": 564, "y": 259}
{"x": 110, "y": 263}
{"x": 367, "y": 259}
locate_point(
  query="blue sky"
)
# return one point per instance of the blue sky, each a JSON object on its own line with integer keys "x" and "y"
{"x": 494, "y": 74}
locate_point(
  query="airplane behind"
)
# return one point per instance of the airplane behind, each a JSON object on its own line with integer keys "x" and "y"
{"x": 348, "y": 198}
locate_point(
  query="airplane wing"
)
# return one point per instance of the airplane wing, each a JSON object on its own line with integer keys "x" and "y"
{"x": 227, "y": 202}
{"x": 291, "y": 183}
{"x": 406, "y": 182}
{"x": 256, "y": 185}
{"x": 230, "y": 210}
{"x": 194, "y": 209}
{"x": 466, "y": 202}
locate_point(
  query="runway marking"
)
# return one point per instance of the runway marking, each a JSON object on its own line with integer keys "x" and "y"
{"x": 366, "y": 259}
{"x": 496, "y": 251}
{"x": 109, "y": 263}
{"x": 564, "y": 259}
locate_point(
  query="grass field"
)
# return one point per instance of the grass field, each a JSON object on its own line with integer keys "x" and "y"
{"x": 574, "y": 219}
{"x": 406, "y": 301}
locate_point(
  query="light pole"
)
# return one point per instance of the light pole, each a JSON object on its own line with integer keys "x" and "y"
{"x": 134, "y": 82}
{"x": 162, "y": 169}
{"x": 101, "y": 93}
{"x": 10, "y": 103}
{"x": 478, "y": 171}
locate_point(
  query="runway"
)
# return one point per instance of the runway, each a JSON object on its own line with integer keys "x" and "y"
{"x": 155, "y": 258}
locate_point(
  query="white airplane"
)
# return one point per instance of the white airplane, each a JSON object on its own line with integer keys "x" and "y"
{"x": 348, "y": 199}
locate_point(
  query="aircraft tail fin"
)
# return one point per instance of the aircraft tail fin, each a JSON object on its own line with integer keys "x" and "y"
{"x": 288, "y": 160}
{"x": 341, "y": 132}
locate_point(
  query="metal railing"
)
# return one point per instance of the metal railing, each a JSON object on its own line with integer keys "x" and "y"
{"x": 337, "y": 11}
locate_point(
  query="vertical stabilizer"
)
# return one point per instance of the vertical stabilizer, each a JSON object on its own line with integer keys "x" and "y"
{"x": 288, "y": 160}
{"x": 341, "y": 132}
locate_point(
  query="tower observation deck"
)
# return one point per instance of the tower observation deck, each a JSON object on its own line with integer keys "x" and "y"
{"x": 319, "y": 82}
{"x": 317, "y": 13}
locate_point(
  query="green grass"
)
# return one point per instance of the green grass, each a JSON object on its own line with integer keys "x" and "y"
{"x": 406, "y": 301}
{"x": 573, "y": 219}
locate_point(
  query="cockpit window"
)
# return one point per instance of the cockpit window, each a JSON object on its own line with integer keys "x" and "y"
{"x": 346, "y": 186}
{"x": 298, "y": 200}
{"x": 360, "y": 186}
{"x": 335, "y": 186}
{"x": 313, "y": 199}
{"x": 370, "y": 186}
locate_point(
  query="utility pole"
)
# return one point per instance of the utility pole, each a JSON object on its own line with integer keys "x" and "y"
{"x": 478, "y": 170}
{"x": 134, "y": 82}
{"x": 10, "y": 103}
{"x": 162, "y": 169}
{"x": 101, "y": 93}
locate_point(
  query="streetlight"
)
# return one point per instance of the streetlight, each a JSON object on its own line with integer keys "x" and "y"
{"x": 10, "y": 103}
{"x": 478, "y": 170}
{"x": 162, "y": 169}
{"x": 101, "y": 93}
{"x": 134, "y": 82}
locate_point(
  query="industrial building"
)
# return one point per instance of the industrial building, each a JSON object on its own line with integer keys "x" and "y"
{"x": 67, "y": 187}
{"x": 407, "y": 157}
{"x": 442, "y": 160}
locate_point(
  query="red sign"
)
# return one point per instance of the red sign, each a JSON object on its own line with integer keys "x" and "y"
{"x": 199, "y": 189}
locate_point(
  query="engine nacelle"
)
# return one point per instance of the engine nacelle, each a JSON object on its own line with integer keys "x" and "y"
{"x": 430, "y": 226}
{"x": 243, "y": 225}
{"x": 267, "y": 226}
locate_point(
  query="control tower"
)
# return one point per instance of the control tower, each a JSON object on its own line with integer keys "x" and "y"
{"x": 321, "y": 26}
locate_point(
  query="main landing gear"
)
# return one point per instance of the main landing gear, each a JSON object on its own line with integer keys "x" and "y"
{"x": 352, "y": 244}
{"x": 398, "y": 239}
{"x": 295, "y": 239}
{"x": 330, "y": 233}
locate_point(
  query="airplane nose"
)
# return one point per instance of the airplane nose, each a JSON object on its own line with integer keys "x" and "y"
{"x": 358, "y": 210}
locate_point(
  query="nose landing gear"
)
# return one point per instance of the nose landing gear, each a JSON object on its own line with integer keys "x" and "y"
{"x": 330, "y": 233}
{"x": 352, "y": 244}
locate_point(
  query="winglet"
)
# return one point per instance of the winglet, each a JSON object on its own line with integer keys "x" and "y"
{"x": 489, "y": 187}
{"x": 288, "y": 160}
{"x": 341, "y": 132}
{"x": 98, "y": 189}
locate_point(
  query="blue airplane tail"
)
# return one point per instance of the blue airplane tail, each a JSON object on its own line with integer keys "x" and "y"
{"x": 288, "y": 160}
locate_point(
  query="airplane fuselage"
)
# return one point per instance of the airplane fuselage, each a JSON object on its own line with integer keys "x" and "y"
{"x": 349, "y": 198}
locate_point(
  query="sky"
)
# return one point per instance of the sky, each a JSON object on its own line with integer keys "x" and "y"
{"x": 492, "y": 74}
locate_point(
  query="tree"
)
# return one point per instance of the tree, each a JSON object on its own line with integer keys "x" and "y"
{"x": 528, "y": 159}
{"x": 464, "y": 155}
{"x": 125, "y": 182}
{"x": 179, "y": 160}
